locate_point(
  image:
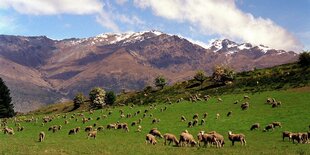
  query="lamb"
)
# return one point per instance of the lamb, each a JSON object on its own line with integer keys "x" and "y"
{"x": 219, "y": 99}
{"x": 41, "y": 136}
{"x": 171, "y": 138}
{"x": 195, "y": 116}
{"x": 155, "y": 132}
{"x": 195, "y": 122}
{"x": 186, "y": 138}
{"x": 254, "y": 126}
{"x": 236, "y": 138}
{"x": 268, "y": 127}
{"x": 100, "y": 128}
{"x": 151, "y": 139}
{"x": 111, "y": 126}
{"x": 190, "y": 124}
{"x": 77, "y": 129}
{"x": 92, "y": 134}
{"x": 205, "y": 115}
{"x": 20, "y": 128}
{"x": 133, "y": 123}
{"x": 88, "y": 128}
{"x": 275, "y": 124}
{"x": 9, "y": 131}
{"x": 304, "y": 137}
{"x": 139, "y": 128}
{"x": 287, "y": 134}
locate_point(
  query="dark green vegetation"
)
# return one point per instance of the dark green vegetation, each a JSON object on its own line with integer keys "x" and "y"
{"x": 304, "y": 59}
{"x": 293, "y": 114}
{"x": 276, "y": 78}
{"x": 6, "y": 107}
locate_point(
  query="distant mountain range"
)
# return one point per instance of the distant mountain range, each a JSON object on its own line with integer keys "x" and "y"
{"x": 40, "y": 71}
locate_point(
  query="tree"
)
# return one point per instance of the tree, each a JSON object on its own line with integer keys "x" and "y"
{"x": 6, "y": 107}
{"x": 97, "y": 96}
{"x": 200, "y": 76}
{"x": 78, "y": 100}
{"x": 222, "y": 74}
{"x": 110, "y": 98}
{"x": 160, "y": 81}
{"x": 304, "y": 59}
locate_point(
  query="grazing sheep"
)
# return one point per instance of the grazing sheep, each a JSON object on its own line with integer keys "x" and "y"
{"x": 229, "y": 113}
{"x": 195, "y": 122}
{"x": 187, "y": 139}
{"x": 195, "y": 116}
{"x": 205, "y": 115}
{"x": 72, "y": 131}
{"x": 9, "y": 131}
{"x": 88, "y": 128}
{"x": 297, "y": 137}
{"x": 111, "y": 126}
{"x": 268, "y": 127}
{"x": 236, "y": 138}
{"x": 202, "y": 122}
{"x": 92, "y": 134}
{"x": 155, "y": 132}
{"x": 236, "y": 102}
{"x": 171, "y": 138}
{"x": 287, "y": 134}
{"x": 217, "y": 116}
{"x": 133, "y": 123}
{"x": 151, "y": 139}
{"x": 190, "y": 124}
{"x": 183, "y": 118}
{"x": 219, "y": 99}
{"x": 59, "y": 127}
{"x": 275, "y": 124}
{"x": 20, "y": 128}
{"x": 255, "y": 126}
{"x": 139, "y": 129}
{"x": 66, "y": 122}
{"x": 304, "y": 137}
{"x": 77, "y": 129}
{"x": 41, "y": 136}
{"x": 100, "y": 128}
{"x": 245, "y": 106}
{"x": 207, "y": 138}
{"x": 246, "y": 97}
{"x": 219, "y": 137}
{"x": 139, "y": 121}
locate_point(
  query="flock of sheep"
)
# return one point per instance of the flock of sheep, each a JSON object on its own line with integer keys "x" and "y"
{"x": 184, "y": 139}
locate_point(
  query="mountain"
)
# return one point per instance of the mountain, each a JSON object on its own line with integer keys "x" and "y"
{"x": 40, "y": 71}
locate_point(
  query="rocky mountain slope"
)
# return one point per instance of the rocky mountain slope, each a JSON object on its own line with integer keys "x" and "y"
{"x": 40, "y": 70}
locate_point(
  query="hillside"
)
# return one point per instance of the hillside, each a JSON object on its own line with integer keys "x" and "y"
{"x": 52, "y": 70}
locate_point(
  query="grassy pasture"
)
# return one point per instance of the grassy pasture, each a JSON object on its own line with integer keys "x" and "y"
{"x": 294, "y": 115}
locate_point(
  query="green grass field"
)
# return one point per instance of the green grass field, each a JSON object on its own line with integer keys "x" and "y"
{"x": 294, "y": 115}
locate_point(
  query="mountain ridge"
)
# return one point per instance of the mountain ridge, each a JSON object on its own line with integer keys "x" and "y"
{"x": 61, "y": 68}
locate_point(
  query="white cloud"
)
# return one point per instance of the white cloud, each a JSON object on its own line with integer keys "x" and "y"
{"x": 57, "y": 7}
{"x": 7, "y": 24}
{"x": 224, "y": 18}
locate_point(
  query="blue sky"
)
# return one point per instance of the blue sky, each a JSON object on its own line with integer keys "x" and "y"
{"x": 281, "y": 24}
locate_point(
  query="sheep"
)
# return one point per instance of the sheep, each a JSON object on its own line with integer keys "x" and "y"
{"x": 207, "y": 138}
{"x": 297, "y": 137}
{"x": 55, "y": 128}
{"x": 133, "y": 123}
{"x": 151, "y": 139}
{"x": 202, "y": 122}
{"x": 183, "y": 118}
{"x": 139, "y": 128}
{"x": 100, "y": 128}
{"x": 59, "y": 127}
{"x": 236, "y": 102}
{"x": 186, "y": 138}
{"x": 72, "y": 131}
{"x": 229, "y": 113}
{"x": 139, "y": 120}
{"x": 92, "y": 134}
{"x": 20, "y": 128}
{"x": 196, "y": 116}
{"x": 304, "y": 137}
{"x": 9, "y": 131}
{"x": 205, "y": 115}
{"x": 84, "y": 120}
{"x": 195, "y": 122}
{"x": 219, "y": 137}
{"x": 245, "y": 106}
{"x": 88, "y": 128}
{"x": 217, "y": 116}
{"x": 66, "y": 122}
{"x": 41, "y": 136}
{"x": 246, "y": 97}
{"x": 171, "y": 138}
{"x": 219, "y": 99}
{"x": 254, "y": 126}
{"x": 126, "y": 128}
{"x": 190, "y": 124}
{"x": 287, "y": 134}
{"x": 268, "y": 127}
{"x": 275, "y": 124}
{"x": 155, "y": 132}
{"x": 77, "y": 129}
{"x": 111, "y": 126}
{"x": 236, "y": 138}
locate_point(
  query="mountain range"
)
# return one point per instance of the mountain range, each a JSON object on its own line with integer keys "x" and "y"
{"x": 41, "y": 71}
